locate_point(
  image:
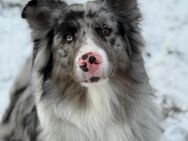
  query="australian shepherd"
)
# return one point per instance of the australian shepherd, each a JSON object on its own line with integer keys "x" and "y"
{"x": 86, "y": 80}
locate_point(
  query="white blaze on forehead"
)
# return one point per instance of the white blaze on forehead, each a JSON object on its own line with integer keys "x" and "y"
{"x": 90, "y": 46}
{"x": 77, "y": 1}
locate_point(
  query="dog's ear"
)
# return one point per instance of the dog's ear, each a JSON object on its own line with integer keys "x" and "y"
{"x": 128, "y": 17}
{"x": 121, "y": 4}
{"x": 41, "y": 14}
{"x": 127, "y": 8}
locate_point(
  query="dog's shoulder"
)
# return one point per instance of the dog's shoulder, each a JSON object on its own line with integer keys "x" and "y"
{"x": 20, "y": 117}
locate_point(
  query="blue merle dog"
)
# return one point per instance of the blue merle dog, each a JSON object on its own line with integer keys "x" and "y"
{"x": 86, "y": 80}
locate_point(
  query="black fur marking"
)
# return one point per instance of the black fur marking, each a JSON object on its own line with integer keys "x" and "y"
{"x": 16, "y": 95}
{"x": 99, "y": 32}
{"x": 128, "y": 35}
{"x": 46, "y": 71}
{"x": 69, "y": 25}
{"x": 73, "y": 15}
{"x": 67, "y": 28}
{"x": 30, "y": 3}
{"x": 35, "y": 50}
{"x": 124, "y": 36}
{"x": 30, "y": 122}
{"x": 121, "y": 29}
{"x": 112, "y": 42}
{"x": 91, "y": 14}
{"x": 36, "y": 42}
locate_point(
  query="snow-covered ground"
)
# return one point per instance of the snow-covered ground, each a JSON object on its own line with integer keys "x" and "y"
{"x": 165, "y": 29}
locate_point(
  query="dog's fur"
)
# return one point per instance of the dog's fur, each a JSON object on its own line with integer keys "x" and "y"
{"x": 50, "y": 102}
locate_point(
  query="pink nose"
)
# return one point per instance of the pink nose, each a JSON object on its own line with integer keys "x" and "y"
{"x": 90, "y": 62}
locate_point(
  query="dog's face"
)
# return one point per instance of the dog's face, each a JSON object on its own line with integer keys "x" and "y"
{"x": 90, "y": 42}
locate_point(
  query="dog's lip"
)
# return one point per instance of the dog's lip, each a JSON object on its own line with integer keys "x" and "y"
{"x": 94, "y": 79}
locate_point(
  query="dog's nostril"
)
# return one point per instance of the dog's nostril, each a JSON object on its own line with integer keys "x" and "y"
{"x": 84, "y": 67}
{"x": 84, "y": 57}
{"x": 92, "y": 60}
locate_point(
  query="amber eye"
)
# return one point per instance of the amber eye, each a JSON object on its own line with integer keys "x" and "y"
{"x": 69, "y": 37}
{"x": 106, "y": 30}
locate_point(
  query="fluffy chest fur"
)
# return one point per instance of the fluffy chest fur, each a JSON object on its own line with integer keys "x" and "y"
{"x": 94, "y": 122}
{"x": 104, "y": 118}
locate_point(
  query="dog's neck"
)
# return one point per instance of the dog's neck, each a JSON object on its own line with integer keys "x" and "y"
{"x": 86, "y": 122}
{"x": 111, "y": 113}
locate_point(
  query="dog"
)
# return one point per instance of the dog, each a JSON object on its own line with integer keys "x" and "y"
{"x": 86, "y": 80}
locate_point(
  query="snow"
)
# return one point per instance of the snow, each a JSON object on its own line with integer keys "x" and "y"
{"x": 165, "y": 29}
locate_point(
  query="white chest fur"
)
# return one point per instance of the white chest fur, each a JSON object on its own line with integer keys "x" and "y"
{"x": 64, "y": 121}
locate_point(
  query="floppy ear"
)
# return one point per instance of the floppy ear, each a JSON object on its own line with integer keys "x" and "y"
{"x": 41, "y": 14}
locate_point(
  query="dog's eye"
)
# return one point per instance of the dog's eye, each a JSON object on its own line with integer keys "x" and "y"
{"x": 106, "y": 30}
{"x": 69, "y": 37}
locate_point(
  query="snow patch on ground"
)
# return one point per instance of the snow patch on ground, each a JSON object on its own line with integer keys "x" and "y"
{"x": 165, "y": 29}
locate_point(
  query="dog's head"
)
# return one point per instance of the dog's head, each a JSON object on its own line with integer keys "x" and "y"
{"x": 87, "y": 43}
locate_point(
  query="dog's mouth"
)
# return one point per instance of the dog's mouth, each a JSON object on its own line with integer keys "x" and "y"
{"x": 94, "y": 80}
